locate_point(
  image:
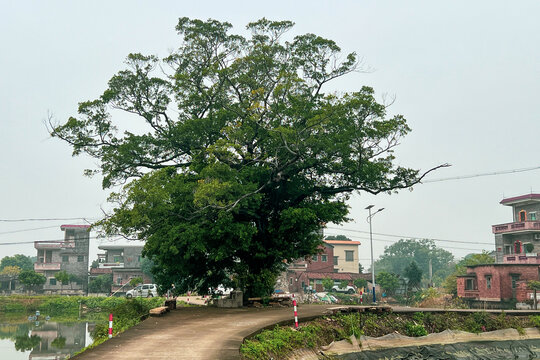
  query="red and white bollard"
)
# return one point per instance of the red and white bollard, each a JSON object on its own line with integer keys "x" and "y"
{"x": 110, "y": 325}
{"x": 295, "y": 312}
{"x": 361, "y": 298}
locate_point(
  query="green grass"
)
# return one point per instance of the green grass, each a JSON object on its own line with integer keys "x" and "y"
{"x": 280, "y": 342}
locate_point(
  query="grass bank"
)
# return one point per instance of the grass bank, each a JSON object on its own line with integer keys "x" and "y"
{"x": 66, "y": 306}
{"x": 282, "y": 340}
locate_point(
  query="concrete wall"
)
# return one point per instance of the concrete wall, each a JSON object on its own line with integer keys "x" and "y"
{"x": 343, "y": 265}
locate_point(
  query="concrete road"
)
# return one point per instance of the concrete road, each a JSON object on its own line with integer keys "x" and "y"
{"x": 194, "y": 333}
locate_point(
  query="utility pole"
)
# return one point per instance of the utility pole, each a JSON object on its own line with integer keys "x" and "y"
{"x": 371, "y": 245}
{"x": 430, "y": 273}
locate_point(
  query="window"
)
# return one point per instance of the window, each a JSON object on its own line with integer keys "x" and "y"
{"x": 139, "y": 258}
{"x": 52, "y": 281}
{"x": 314, "y": 258}
{"x": 119, "y": 280}
{"x": 80, "y": 258}
{"x": 515, "y": 278}
{"x": 522, "y": 215}
{"x": 349, "y": 255}
{"x": 117, "y": 259}
{"x": 290, "y": 281}
{"x": 324, "y": 258}
{"x": 532, "y": 216}
{"x": 470, "y": 284}
{"x": 335, "y": 260}
{"x": 488, "y": 281}
{"x": 65, "y": 258}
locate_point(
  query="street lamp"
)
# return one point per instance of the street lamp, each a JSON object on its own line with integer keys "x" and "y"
{"x": 371, "y": 244}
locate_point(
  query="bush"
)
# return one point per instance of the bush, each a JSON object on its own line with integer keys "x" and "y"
{"x": 415, "y": 330}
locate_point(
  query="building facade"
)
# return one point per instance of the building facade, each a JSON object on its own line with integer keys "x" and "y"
{"x": 123, "y": 262}
{"x": 345, "y": 258}
{"x": 512, "y": 239}
{"x": 70, "y": 255}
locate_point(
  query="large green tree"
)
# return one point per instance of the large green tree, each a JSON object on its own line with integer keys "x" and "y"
{"x": 399, "y": 255}
{"x": 233, "y": 152}
{"x": 23, "y": 262}
{"x": 31, "y": 280}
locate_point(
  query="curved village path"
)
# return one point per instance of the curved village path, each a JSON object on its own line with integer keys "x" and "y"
{"x": 194, "y": 333}
{"x": 209, "y": 332}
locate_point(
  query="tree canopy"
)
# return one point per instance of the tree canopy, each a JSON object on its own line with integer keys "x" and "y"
{"x": 31, "y": 279}
{"x": 23, "y": 262}
{"x": 233, "y": 152}
{"x": 399, "y": 255}
{"x": 387, "y": 281}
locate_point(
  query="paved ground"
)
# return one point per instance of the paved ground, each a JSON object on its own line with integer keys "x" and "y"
{"x": 194, "y": 333}
{"x": 206, "y": 332}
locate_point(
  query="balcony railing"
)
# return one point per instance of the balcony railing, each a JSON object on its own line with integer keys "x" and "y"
{"x": 111, "y": 265}
{"x": 46, "y": 266}
{"x": 516, "y": 226}
{"x": 54, "y": 244}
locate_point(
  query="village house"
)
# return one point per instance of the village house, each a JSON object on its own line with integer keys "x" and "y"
{"x": 345, "y": 258}
{"x": 516, "y": 259}
{"x": 70, "y": 254}
{"x": 123, "y": 262}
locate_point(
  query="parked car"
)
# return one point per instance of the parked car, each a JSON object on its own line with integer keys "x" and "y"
{"x": 144, "y": 290}
{"x": 348, "y": 289}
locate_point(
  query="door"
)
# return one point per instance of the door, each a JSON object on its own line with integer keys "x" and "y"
{"x": 145, "y": 290}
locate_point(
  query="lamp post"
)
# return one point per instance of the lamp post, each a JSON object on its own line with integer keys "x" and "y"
{"x": 371, "y": 244}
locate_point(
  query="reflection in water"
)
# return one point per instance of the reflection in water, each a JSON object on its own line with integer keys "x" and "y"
{"x": 46, "y": 340}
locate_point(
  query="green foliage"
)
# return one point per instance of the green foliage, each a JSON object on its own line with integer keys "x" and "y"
{"x": 360, "y": 283}
{"x": 146, "y": 266}
{"x": 387, "y": 281}
{"x": 343, "y": 284}
{"x": 135, "y": 281}
{"x": 100, "y": 284}
{"x": 415, "y": 330}
{"x": 31, "y": 280}
{"x": 327, "y": 284}
{"x": 337, "y": 237}
{"x": 59, "y": 342}
{"x": 240, "y": 156}
{"x": 529, "y": 247}
{"x": 398, "y": 256}
{"x": 281, "y": 341}
{"x": 62, "y": 276}
{"x": 10, "y": 270}
{"x": 413, "y": 275}
{"x": 23, "y": 262}
{"x": 26, "y": 343}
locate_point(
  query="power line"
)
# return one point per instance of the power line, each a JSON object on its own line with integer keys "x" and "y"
{"x": 23, "y": 230}
{"x": 395, "y": 241}
{"x": 46, "y": 219}
{"x": 409, "y": 236}
{"x": 493, "y": 173}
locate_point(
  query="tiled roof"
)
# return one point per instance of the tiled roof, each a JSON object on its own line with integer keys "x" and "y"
{"x": 520, "y": 198}
{"x": 62, "y": 227}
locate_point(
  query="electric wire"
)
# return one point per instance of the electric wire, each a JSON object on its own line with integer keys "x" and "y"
{"x": 493, "y": 173}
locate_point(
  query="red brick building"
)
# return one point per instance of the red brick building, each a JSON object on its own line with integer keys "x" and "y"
{"x": 497, "y": 282}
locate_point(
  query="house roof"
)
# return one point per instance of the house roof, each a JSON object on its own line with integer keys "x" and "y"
{"x": 521, "y": 199}
{"x": 119, "y": 247}
{"x": 62, "y": 227}
{"x": 342, "y": 242}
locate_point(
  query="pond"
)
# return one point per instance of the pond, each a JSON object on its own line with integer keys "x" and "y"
{"x": 21, "y": 338}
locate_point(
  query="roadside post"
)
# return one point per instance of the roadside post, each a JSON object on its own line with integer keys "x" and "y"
{"x": 361, "y": 297}
{"x": 295, "y": 312}
{"x": 110, "y": 325}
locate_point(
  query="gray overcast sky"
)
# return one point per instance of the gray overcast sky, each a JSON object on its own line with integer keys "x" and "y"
{"x": 466, "y": 75}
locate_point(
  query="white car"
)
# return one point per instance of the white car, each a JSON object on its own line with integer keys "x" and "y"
{"x": 144, "y": 290}
{"x": 348, "y": 289}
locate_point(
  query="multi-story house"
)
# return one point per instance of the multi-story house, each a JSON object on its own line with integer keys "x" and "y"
{"x": 345, "y": 255}
{"x": 123, "y": 262}
{"x": 511, "y": 238}
{"x": 516, "y": 259}
{"x": 70, "y": 255}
